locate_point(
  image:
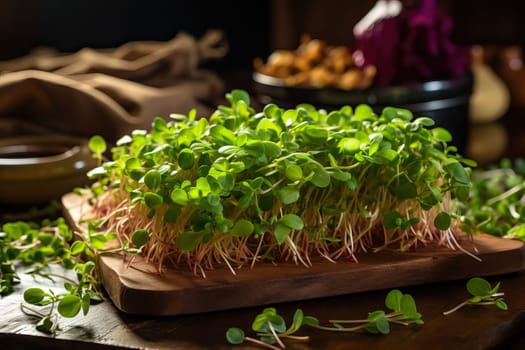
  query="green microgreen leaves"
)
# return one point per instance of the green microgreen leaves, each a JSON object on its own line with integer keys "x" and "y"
{"x": 38, "y": 247}
{"x": 294, "y": 172}
{"x": 394, "y": 219}
{"x": 288, "y": 195}
{"x": 281, "y": 173}
{"x": 34, "y": 295}
{"x": 32, "y": 245}
{"x": 69, "y": 305}
{"x": 482, "y": 294}
{"x": 235, "y": 336}
{"x": 188, "y": 241}
{"x": 153, "y": 179}
{"x": 271, "y": 328}
{"x": 442, "y": 221}
{"x": 186, "y": 159}
{"x": 495, "y": 204}
{"x": 139, "y": 237}
{"x": 403, "y": 311}
{"x": 242, "y": 228}
{"x": 285, "y": 225}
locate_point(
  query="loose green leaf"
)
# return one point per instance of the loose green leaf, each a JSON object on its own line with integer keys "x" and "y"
{"x": 69, "y": 306}
{"x": 86, "y": 302}
{"x": 393, "y": 300}
{"x": 235, "y": 336}
{"x": 45, "y": 325}
{"x": 408, "y": 306}
{"x": 483, "y": 294}
{"x": 383, "y": 326}
{"x": 478, "y": 287}
{"x": 500, "y": 303}
{"x": 310, "y": 320}
{"x": 34, "y": 295}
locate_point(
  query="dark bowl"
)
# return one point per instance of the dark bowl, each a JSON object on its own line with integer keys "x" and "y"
{"x": 445, "y": 101}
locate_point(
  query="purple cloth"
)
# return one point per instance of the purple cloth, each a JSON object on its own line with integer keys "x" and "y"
{"x": 413, "y": 47}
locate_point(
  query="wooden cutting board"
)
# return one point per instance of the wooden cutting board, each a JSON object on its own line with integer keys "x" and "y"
{"x": 138, "y": 289}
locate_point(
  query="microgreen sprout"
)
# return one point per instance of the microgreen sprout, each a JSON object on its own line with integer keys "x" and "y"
{"x": 271, "y": 329}
{"x": 403, "y": 312}
{"x": 482, "y": 294}
{"x": 241, "y": 186}
{"x": 495, "y": 204}
{"x": 39, "y": 247}
{"x": 33, "y": 245}
{"x": 98, "y": 146}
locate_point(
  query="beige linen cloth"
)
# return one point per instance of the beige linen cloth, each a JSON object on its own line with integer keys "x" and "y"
{"x": 109, "y": 92}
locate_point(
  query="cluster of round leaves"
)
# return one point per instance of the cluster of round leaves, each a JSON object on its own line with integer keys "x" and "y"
{"x": 482, "y": 294}
{"x": 496, "y": 203}
{"x": 243, "y": 173}
{"x": 32, "y": 245}
{"x": 40, "y": 246}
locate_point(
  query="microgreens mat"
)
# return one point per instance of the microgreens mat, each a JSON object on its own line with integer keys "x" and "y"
{"x": 242, "y": 186}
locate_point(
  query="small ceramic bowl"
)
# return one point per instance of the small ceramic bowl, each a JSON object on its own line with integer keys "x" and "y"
{"x": 39, "y": 168}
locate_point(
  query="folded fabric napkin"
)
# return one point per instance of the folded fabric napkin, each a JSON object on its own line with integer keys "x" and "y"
{"x": 109, "y": 92}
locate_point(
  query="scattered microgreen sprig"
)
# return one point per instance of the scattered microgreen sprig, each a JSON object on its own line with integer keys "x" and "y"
{"x": 271, "y": 327}
{"x": 78, "y": 295}
{"x": 495, "y": 204}
{"x": 482, "y": 294}
{"x": 403, "y": 311}
{"x": 37, "y": 247}
{"x": 32, "y": 245}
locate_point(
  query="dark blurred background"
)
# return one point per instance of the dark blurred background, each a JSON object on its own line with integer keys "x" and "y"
{"x": 71, "y": 25}
{"x": 256, "y": 28}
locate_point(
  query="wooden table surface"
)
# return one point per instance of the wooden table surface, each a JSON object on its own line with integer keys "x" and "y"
{"x": 482, "y": 327}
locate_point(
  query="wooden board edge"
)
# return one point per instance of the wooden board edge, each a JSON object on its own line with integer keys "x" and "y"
{"x": 305, "y": 286}
{"x": 419, "y": 269}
